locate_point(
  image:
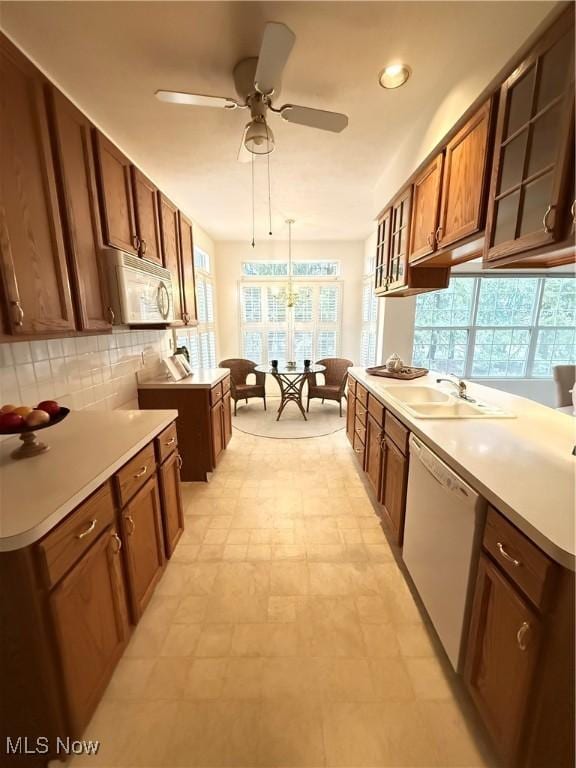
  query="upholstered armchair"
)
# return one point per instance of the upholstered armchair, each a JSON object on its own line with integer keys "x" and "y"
{"x": 239, "y": 371}
{"x": 334, "y": 385}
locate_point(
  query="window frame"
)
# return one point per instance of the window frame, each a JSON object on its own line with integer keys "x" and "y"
{"x": 534, "y": 328}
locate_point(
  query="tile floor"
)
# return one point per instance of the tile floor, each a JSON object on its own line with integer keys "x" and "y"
{"x": 282, "y": 633}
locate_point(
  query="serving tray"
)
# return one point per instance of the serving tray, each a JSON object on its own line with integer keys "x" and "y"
{"x": 404, "y": 373}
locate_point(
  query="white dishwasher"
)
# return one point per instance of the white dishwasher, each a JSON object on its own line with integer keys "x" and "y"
{"x": 444, "y": 521}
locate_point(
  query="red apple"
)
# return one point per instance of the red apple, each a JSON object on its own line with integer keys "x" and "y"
{"x": 50, "y": 406}
{"x": 11, "y": 421}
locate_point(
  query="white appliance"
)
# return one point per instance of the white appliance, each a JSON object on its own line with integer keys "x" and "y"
{"x": 444, "y": 521}
{"x": 140, "y": 291}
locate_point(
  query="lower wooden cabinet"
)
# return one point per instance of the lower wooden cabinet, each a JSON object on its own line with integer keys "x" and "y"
{"x": 373, "y": 459}
{"x": 171, "y": 502}
{"x": 350, "y": 416}
{"x": 88, "y": 609}
{"x": 394, "y": 482}
{"x": 227, "y": 417}
{"x": 502, "y": 652}
{"x": 217, "y": 423}
{"x": 144, "y": 542}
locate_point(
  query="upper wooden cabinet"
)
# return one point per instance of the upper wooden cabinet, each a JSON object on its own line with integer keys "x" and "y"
{"x": 394, "y": 276}
{"x": 425, "y": 209}
{"x": 117, "y": 205}
{"x": 73, "y": 141}
{"x": 188, "y": 278}
{"x": 464, "y": 180}
{"x": 530, "y": 193}
{"x": 145, "y": 195}
{"x": 170, "y": 232}
{"x": 37, "y": 298}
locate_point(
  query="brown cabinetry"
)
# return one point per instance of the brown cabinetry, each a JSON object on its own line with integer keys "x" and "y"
{"x": 350, "y": 415}
{"x": 532, "y": 175}
{"x": 188, "y": 277}
{"x": 147, "y": 217}
{"x": 204, "y": 425}
{"x": 171, "y": 502}
{"x": 116, "y": 199}
{"x": 36, "y": 292}
{"x": 170, "y": 232}
{"x": 425, "y": 209}
{"x": 88, "y": 609}
{"x": 394, "y": 481}
{"x": 374, "y": 448}
{"x": 143, "y": 539}
{"x": 501, "y": 657}
{"x": 73, "y": 141}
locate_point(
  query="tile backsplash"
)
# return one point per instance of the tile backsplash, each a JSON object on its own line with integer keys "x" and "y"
{"x": 95, "y": 372}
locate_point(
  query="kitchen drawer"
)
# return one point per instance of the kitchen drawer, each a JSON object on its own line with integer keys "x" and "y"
{"x": 361, "y": 412}
{"x": 66, "y": 543}
{"x": 226, "y": 385}
{"x": 362, "y": 395}
{"x": 166, "y": 443}
{"x": 397, "y": 432}
{"x": 523, "y": 562}
{"x": 376, "y": 409}
{"x": 358, "y": 446}
{"x": 133, "y": 475}
{"x": 216, "y": 394}
{"x": 351, "y": 385}
{"x": 360, "y": 429}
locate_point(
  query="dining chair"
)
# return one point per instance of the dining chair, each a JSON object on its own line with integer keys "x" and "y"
{"x": 565, "y": 379}
{"x": 239, "y": 388}
{"x": 334, "y": 385}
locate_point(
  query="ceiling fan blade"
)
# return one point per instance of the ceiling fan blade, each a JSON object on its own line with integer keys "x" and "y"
{"x": 276, "y": 45}
{"x": 244, "y": 156}
{"x": 196, "y": 99}
{"x": 315, "y": 118}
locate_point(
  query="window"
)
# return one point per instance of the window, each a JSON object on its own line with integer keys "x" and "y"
{"x": 272, "y": 331}
{"x": 299, "y": 269}
{"x": 497, "y": 327}
{"x": 201, "y": 341}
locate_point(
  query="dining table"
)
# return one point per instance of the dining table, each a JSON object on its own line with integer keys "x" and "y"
{"x": 291, "y": 378}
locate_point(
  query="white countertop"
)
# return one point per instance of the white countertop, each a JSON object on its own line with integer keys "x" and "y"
{"x": 85, "y": 450}
{"x": 523, "y": 466}
{"x": 202, "y": 378}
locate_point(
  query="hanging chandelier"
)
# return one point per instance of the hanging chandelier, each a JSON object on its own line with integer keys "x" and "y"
{"x": 291, "y": 295}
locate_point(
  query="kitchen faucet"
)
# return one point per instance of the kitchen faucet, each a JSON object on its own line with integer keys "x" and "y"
{"x": 461, "y": 386}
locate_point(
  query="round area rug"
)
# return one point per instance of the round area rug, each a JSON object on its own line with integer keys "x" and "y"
{"x": 322, "y": 419}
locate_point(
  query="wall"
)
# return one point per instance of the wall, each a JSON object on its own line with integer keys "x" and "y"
{"x": 90, "y": 372}
{"x": 229, "y": 258}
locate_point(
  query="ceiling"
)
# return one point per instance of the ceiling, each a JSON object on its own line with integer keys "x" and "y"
{"x": 110, "y": 57}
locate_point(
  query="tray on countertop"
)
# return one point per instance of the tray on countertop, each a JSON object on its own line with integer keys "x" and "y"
{"x": 405, "y": 373}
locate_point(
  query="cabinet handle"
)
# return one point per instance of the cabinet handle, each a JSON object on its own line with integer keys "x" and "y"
{"x": 573, "y": 211}
{"x": 545, "y": 224}
{"x": 179, "y": 461}
{"x": 88, "y": 530}
{"x": 506, "y": 556}
{"x": 130, "y": 520}
{"x": 111, "y": 315}
{"x": 430, "y": 239}
{"x": 136, "y": 242}
{"x": 144, "y": 246}
{"x": 118, "y": 542}
{"x": 141, "y": 473}
{"x": 170, "y": 442}
{"x": 439, "y": 234}
{"x": 18, "y": 314}
{"x": 521, "y": 636}
{"x": 359, "y": 450}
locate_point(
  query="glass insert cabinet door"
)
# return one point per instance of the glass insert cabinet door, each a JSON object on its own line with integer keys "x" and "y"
{"x": 399, "y": 234}
{"x": 382, "y": 251}
{"x": 532, "y": 188}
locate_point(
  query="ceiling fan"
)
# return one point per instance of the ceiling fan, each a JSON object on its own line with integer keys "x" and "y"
{"x": 257, "y": 82}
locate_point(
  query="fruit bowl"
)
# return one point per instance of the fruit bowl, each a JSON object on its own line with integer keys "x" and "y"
{"x": 31, "y": 446}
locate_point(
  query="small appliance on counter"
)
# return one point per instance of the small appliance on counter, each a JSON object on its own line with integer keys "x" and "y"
{"x": 140, "y": 290}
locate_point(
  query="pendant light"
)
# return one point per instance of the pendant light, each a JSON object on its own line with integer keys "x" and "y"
{"x": 291, "y": 294}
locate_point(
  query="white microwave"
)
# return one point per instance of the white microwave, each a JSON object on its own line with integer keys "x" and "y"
{"x": 140, "y": 291}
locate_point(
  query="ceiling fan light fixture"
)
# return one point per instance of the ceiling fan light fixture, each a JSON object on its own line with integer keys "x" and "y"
{"x": 394, "y": 75}
{"x": 259, "y": 139}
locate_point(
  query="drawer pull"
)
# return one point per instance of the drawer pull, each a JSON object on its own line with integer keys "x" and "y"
{"x": 88, "y": 530}
{"x": 132, "y": 524}
{"x": 118, "y": 543}
{"x": 521, "y": 636}
{"x": 506, "y": 556}
{"x": 170, "y": 442}
{"x": 141, "y": 473}
{"x": 179, "y": 461}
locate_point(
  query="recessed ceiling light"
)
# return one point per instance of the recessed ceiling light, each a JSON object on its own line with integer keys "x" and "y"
{"x": 394, "y": 75}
